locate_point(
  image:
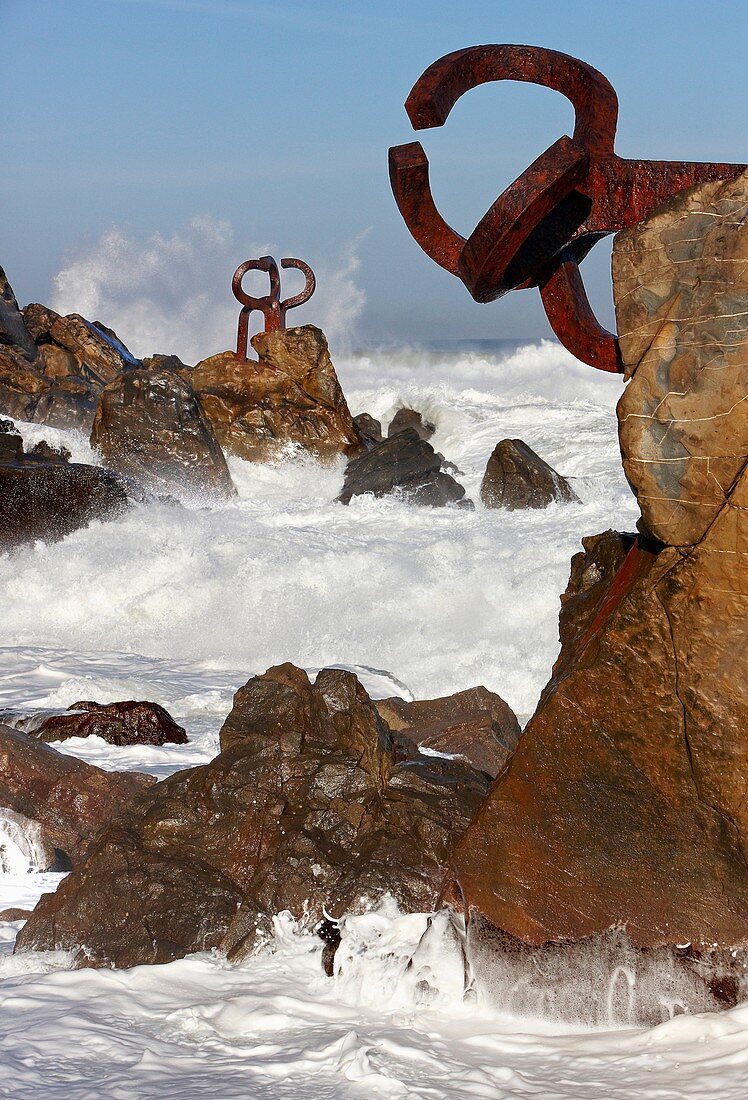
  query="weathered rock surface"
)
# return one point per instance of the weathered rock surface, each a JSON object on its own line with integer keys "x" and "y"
{"x": 680, "y": 288}
{"x": 369, "y": 429}
{"x": 475, "y": 725}
{"x": 290, "y": 397}
{"x": 71, "y": 800}
{"x": 53, "y": 368}
{"x": 44, "y": 496}
{"x": 516, "y": 477}
{"x": 305, "y": 805}
{"x": 403, "y": 463}
{"x": 626, "y": 802}
{"x": 13, "y": 331}
{"x": 150, "y": 426}
{"x": 125, "y": 723}
{"x": 410, "y": 418}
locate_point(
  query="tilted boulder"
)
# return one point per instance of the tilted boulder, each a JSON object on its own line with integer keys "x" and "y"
{"x": 150, "y": 427}
{"x": 13, "y": 331}
{"x": 290, "y": 397}
{"x": 369, "y": 429}
{"x": 475, "y": 725}
{"x": 70, "y": 800}
{"x": 516, "y": 477}
{"x": 124, "y": 723}
{"x": 410, "y": 418}
{"x": 44, "y": 496}
{"x": 404, "y": 464}
{"x": 306, "y": 808}
{"x": 681, "y": 287}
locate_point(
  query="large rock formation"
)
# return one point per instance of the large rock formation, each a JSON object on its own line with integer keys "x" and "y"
{"x": 475, "y": 725}
{"x": 43, "y": 496}
{"x": 70, "y": 800}
{"x": 307, "y": 806}
{"x": 150, "y": 426}
{"x": 53, "y": 368}
{"x": 608, "y": 868}
{"x": 516, "y": 477}
{"x": 681, "y": 287}
{"x": 290, "y": 397}
{"x": 125, "y": 723}
{"x": 404, "y": 464}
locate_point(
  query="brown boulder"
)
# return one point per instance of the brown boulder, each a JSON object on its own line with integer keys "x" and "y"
{"x": 125, "y": 723}
{"x": 97, "y": 355}
{"x": 475, "y": 725}
{"x": 625, "y": 803}
{"x": 305, "y": 807}
{"x": 680, "y": 287}
{"x": 70, "y": 800}
{"x": 516, "y": 477}
{"x": 404, "y": 464}
{"x": 43, "y": 496}
{"x": 150, "y": 426}
{"x": 291, "y": 396}
{"x": 410, "y": 418}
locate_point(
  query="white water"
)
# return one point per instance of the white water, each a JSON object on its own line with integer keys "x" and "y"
{"x": 181, "y": 606}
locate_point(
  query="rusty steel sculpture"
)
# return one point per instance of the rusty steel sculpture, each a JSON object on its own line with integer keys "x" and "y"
{"x": 543, "y": 225}
{"x": 272, "y": 308}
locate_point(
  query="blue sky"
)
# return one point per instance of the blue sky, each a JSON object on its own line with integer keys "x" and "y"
{"x": 277, "y": 117}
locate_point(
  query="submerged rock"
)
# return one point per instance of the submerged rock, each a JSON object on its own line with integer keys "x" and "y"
{"x": 369, "y": 429}
{"x": 70, "y": 801}
{"x": 44, "y": 496}
{"x": 475, "y": 725}
{"x": 306, "y": 808}
{"x": 516, "y": 477}
{"x": 150, "y": 426}
{"x": 403, "y": 463}
{"x": 125, "y": 723}
{"x": 680, "y": 288}
{"x": 291, "y": 397}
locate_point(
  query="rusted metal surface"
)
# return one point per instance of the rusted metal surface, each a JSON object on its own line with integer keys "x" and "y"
{"x": 542, "y": 226}
{"x": 270, "y": 305}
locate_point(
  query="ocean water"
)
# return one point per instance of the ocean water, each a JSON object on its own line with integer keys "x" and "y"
{"x": 182, "y": 604}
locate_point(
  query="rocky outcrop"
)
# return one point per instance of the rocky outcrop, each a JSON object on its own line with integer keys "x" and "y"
{"x": 369, "y": 429}
{"x": 305, "y": 807}
{"x": 150, "y": 427}
{"x": 475, "y": 725}
{"x": 403, "y": 464}
{"x": 680, "y": 288}
{"x": 410, "y": 418}
{"x": 57, "y": 377}
{"x": 44, "y": 496}
{"x": 625, "y": 802}
{"x": 291, "y": 397}
{"x": 516, "y": 477}
{"x": 13, "y": 331}
{"x": 71, "y": 801}
{"x": 125, "y": 723}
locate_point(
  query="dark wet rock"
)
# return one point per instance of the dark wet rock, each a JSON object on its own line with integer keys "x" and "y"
{"x": 7, "y": 427}
{"x": 305, "y": 808}
{"x": 291, "y": 397}
{"x": 410, "y": 418}
{"x": 124, "y": 723}
{"x": 516, "y": 477}
{"x": 43, "y": 497}
{"x": 70, "y": 800}
{"x": 475, "y": 725}
{"x": 624, "y": 805}
{"x": 165, "y": 362}
{"x": 13, "y": 329}
{"x": 680, "y": 285}
{"x": 406, "y": 464}
{"x": 369, "y": 429}
{"x": 150, "y": 427}
{"x": 43, "y": 449}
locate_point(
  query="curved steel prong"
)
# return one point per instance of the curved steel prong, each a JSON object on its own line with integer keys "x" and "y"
{"x": 303, "y": 295}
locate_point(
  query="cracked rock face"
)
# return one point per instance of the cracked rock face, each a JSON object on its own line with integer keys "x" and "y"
{"x": 681, "y": 297}
{"x": 626, "y": 802}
